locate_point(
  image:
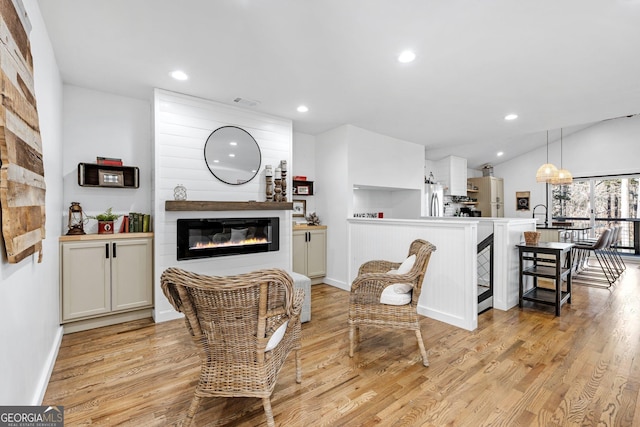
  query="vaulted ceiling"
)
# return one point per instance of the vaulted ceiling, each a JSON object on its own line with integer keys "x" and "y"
{"x": 555, "y": 63}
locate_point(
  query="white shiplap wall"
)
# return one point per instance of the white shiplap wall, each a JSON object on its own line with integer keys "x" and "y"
{"x": 182, "y": 125}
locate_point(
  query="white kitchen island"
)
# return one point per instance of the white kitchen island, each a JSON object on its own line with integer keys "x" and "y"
{"x": 449, "y": 291}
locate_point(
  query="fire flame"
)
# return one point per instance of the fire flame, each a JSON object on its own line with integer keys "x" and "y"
{"x": 213, "y": 245}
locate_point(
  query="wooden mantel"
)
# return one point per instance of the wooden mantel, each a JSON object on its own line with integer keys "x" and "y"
{"x": 193, "y": 205}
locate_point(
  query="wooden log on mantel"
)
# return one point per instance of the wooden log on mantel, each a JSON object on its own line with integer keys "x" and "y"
{"x": 194, "y": 205}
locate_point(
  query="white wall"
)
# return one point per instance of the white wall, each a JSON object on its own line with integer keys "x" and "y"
{"x": 304, "y": 164}
{"x": 182, "y": 126}
{"x": 379, "y": 160}
{"x": 606, "y": 148}
{"x": 349, "y": 156}
{"x": 332, "y": 199}
{"x": 101, "y": 124}
{"x": 29, "y": 321}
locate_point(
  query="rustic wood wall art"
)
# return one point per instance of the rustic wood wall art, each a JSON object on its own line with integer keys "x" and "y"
{"x": 22, "y": 185}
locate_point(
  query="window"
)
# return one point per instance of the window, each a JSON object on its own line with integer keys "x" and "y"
{"x": 599, "y": 202}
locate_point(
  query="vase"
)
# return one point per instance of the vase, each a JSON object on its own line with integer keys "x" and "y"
{"x": 180, "y": 192}
{"x": 105, "y": 227}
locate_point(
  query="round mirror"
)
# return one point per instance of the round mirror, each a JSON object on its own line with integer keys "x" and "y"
{"x": 232, "y": 155}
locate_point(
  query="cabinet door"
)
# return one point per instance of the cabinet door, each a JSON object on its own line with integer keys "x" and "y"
{"x": 85, "y": 279}
{"x": 458, "y": 176}
{"x": 317, "y": 253}
{"x": 300, "y": 252}
{"x": 497, "y": 190}
{"x": 131, "y": 275}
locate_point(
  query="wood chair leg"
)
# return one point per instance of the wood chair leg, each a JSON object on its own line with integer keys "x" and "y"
{"x": 351, "y": 338}
{"x": 266, "y": 402}
{"x": 298, "y": 367}
{"x": 191, "y": 413}
{"x": 423, "y": 351}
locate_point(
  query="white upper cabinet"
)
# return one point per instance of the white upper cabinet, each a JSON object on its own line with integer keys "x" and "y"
{"x": 452, "y": 173}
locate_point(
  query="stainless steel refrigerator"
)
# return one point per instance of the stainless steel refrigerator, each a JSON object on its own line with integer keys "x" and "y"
{"x": 433, "y": 200}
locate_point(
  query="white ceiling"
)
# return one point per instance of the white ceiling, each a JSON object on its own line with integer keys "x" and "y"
{"x": 556, "y": 63}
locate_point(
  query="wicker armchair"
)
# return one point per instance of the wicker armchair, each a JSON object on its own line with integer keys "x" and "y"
{"x": 232, "y": 320}
{"x": 365, "y": 308}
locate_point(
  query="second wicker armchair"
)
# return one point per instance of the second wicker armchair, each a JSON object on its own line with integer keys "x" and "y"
{"x": 366, "y": 307}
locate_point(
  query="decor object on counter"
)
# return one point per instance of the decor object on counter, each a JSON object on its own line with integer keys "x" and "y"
{"x": 76, "y": 220}
{"x": 22, "y": 182}
{"x": 283, "y": 169}
{"x": 105, "y": 221}
{"x": 564, "y": 176}
{"x": 265, "y": 308}
{"x": 180, "y": 192}
{"x": 522, "y": 200}
{"x": 268, "y": 173}
{"x": 232, "y": 155}
{"x": 277, "y": 188}
{"x": 365, "y": 308}
{"x": 547, "y": 172}
{"x": 532, "y": 237}
{"x": 312, "y": 219}
{"x": 300, "y": 208}
{"x": 136, "y": 222}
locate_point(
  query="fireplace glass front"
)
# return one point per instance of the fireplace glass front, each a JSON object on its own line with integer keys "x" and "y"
{"x": 212, "y": 237}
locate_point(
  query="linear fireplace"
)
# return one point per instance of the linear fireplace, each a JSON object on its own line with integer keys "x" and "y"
{"x": 213, "y": 237}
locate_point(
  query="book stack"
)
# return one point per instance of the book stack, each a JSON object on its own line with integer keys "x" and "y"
{"x": 108, "y": 161}
{"x": 135, "y": 222}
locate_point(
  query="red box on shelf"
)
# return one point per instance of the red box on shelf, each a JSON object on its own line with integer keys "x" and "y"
{"x": 300, "y": 178}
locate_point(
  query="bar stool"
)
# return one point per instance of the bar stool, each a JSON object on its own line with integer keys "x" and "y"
{"x": 582, "y": 251}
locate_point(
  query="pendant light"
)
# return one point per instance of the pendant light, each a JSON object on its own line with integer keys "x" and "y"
{"x": 547, "y": 172}
{"x": 564, "y": 176}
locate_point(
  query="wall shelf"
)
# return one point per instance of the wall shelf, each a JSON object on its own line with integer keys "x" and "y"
{"x": 194, "y": 205}
{"x": 298, "y": 184}
{"x": 94, "y": 175}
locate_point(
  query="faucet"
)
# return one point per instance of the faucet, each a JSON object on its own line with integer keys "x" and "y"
{"x": 546, "y": 223}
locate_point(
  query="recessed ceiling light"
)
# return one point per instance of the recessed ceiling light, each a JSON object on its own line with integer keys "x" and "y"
{"x": 303, "y": 109}
{"x": 500, "y": 153}
{"x": 233, "y": 143}
{"x": 406, "y": 56}
{"x": 511, "y": 117}
{"x": 231, "y": 155}
{"x": 179, "y": 75}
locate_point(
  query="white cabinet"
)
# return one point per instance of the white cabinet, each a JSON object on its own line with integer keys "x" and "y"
{"x": 102, "y": 276}
{"x": 452, "y": 173}
{"x": 490, "y": 195}
{"x": 310, "y": 251}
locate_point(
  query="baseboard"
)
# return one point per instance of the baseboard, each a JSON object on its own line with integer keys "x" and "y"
{"x": 45, "y": 376}
{"x": 166, "y": 315}
{"x": 337, "y": 283}
{"x": 112, "y": 319}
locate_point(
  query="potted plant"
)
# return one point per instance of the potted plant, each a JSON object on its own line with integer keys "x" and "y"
{"x": 105, "y": 221}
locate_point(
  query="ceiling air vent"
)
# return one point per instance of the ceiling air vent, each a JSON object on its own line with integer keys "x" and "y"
{"x": 246, "y": 102}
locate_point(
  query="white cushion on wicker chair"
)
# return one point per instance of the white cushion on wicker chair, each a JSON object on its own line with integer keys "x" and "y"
{"x": 401, "y": 288}
{"x": 276, "y": 337}
{"x": 390, "y": 296}
{"x": 406, "y": 265}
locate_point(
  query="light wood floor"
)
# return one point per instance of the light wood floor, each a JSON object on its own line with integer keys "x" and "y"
{"x": 519, "y": 368}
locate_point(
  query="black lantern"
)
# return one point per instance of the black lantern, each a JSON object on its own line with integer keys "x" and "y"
{"x": 76, "y": 219}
